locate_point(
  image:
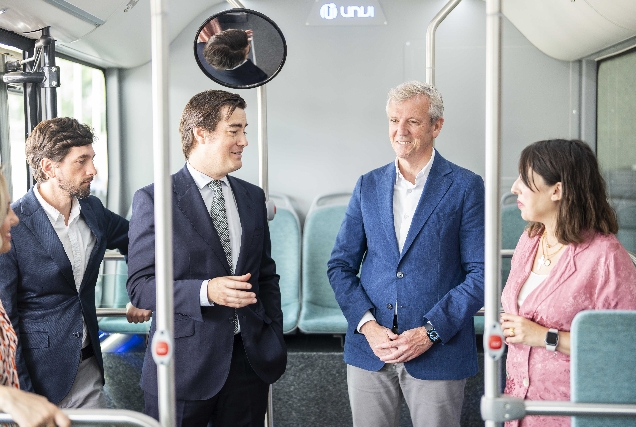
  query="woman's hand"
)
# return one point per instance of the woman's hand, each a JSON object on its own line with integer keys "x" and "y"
{"x": 31, "y": 410}
{"x": 519, "y": 330}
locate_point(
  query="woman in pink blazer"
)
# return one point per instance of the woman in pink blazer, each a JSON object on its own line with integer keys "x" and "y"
{"x": 567, "y": 261}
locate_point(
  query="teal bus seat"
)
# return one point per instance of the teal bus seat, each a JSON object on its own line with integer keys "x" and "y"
{"x": 112, "y": 294}
{"x": 320, "y": 313}
{"x": 512, "y": 226}
{"x": 603, "y": 345}
{"x": 285, "y": 235}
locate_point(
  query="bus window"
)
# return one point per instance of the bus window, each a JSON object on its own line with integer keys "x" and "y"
{"x": 82, "y": 95}
{"x": 16, "y": 139}
{"x": 616, "y": 149}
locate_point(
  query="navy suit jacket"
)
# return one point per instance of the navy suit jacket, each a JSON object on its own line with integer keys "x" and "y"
{"x": 38, "y": 292}
{"x": 204, "y": 336}
{"x": 438, "y": 275}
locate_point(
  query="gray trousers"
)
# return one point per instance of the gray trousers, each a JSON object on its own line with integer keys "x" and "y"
{"x": 375, "y": 398}
{"x": 87, "y": 391}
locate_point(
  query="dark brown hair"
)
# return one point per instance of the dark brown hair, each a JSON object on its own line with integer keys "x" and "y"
{"x": 584, "y": 206}
{"x": 203, "y": 110}
{"x": 53, "y": 139}
{"x": 226, "y": 49}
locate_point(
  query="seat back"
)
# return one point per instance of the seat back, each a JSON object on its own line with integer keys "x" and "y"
{"x": 111, "y": 293}
{"x": 285, "y": 235}
{"x": 603, "y": 345}
{"x": 320, "y": 313}
{"x": 512, "y": 227}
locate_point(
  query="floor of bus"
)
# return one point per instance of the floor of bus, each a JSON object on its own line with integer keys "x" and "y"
{"x": 312, "y": 392}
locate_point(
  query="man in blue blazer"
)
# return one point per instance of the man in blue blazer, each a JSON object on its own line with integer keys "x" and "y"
{"x": 47, "y": 280}
{"x": 414, "y": 230}
{"x": 228, "y": 322}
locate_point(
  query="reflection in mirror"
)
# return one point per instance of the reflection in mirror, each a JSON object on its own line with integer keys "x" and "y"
{"x": 240, "y": 48}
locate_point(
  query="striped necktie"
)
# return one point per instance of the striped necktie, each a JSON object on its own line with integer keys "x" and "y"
{"x": 219, "y": 219}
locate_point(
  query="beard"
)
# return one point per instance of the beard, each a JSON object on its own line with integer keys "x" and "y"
{"x": 75, "y": 190}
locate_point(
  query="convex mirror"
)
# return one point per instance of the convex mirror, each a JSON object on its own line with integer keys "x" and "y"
{"x": 240, "y": 48}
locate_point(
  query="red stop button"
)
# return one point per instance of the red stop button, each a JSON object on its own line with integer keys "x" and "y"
{"x": 161, "y": 349}
{"x": 495, "y": 342}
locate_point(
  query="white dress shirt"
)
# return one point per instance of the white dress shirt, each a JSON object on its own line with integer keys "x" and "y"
{"x": 406, "y": 197}
{"x": 233, "y": 219}
{"x": 77, "y": 239}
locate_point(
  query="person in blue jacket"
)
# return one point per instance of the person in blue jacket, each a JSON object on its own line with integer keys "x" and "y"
{"x": 407, "y": 271}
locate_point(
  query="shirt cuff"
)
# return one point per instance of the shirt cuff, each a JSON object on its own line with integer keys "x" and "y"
{"x": 366, "y": 318}
{"x": 203, "y": 295}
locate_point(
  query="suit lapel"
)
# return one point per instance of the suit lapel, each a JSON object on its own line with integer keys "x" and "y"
{"x": 36, "y": 220}
{"x": 247, "y": 214}
{"x": 384, "y": 192}
{"x": 94, "y": 260}
{"x": 189, "y": 201}
{"x": 566, "y": 266}
{"x": 437, "y": 184}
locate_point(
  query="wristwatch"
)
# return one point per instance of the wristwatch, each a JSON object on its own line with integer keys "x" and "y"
{"x": 431, "y": 332}
{"x": 552, "y": 339}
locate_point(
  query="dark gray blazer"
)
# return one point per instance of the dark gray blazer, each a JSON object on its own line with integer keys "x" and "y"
{"x": 38, "y": 292}
{"x": 203, "y": 336}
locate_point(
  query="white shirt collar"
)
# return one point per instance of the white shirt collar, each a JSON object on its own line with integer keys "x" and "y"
{"x": 54, "y": 214}
{"x": 423, "y": 174}
{"x": 230, "y": 69}
{"x": 201, "y": 179}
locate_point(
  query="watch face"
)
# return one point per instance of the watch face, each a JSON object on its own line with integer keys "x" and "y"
{"x": 434, "y": 336}
{"x": 551, "y": 338}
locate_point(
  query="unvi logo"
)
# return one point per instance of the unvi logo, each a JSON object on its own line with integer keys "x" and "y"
{"x": 329, "y": 11}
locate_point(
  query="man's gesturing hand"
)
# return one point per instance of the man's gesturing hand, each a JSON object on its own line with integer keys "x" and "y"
{"x": 231, "y": 291}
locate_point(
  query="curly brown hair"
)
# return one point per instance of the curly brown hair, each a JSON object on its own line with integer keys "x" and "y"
{"x": 203, "y": 110}
{"x": 53, "y": 139}
{"x": 584, "y": 206}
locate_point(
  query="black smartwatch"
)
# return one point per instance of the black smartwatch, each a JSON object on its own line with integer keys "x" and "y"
{"x": 551, "y": 340}
{"x": 431, "y": 332}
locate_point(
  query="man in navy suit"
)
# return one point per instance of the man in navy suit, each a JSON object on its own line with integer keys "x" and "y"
{"x": 414, "y": 229}
{"x": 47, "y": 280}
{"x": 228, "y": 322}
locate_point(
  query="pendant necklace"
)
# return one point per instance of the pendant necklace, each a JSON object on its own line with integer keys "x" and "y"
{"x": 545, "y": 258}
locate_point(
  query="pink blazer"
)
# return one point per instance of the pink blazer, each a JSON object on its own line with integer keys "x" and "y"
{"x": 597, "y": 274}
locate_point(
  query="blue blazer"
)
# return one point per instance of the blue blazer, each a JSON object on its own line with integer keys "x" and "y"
{"x": 204, "y": 336}
{"x": 38, "y": 292}
{"x": 438, "y": 275}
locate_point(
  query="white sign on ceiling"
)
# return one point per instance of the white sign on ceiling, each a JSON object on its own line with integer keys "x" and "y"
{"x": 346, "y": 12}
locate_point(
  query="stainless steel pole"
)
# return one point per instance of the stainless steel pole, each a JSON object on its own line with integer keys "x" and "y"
{"x": 492, "y": 275}
{"x": 261, "y": 100}
{"x": 163, "y": 215}
{"x": 430, "y": 39}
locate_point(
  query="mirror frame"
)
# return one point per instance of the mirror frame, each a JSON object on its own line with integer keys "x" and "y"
{"x": 216, "y": 79}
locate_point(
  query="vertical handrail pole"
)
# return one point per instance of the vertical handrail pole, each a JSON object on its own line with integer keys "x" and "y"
{"x": 492, "y": 274}
{"x": 163, "y": 205}
{"x": 430, "y": 39}
{"x": 48, "y": 61}
{"x": 261, "y": 100}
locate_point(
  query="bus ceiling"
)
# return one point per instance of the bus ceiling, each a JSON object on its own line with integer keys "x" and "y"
{"x": 95, "y": 31}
